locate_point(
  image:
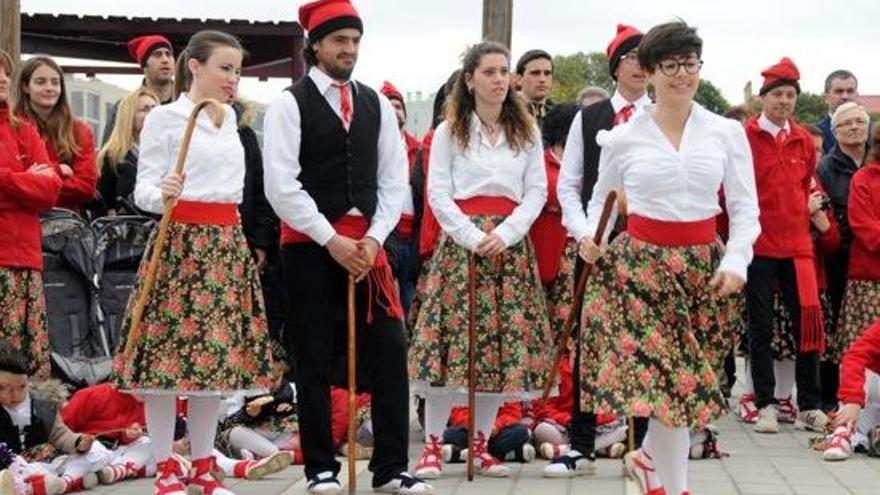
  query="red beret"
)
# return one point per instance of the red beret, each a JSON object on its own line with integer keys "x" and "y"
{"x": 390, "y": 91}
{"x": 140, "y": 48}
{"x": 626, "y": 39}
{"x": 322, "y": 17}
{"x": 781, "y": 74}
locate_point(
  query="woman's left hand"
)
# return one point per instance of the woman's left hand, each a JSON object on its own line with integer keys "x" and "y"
{"x": 491, "y": 246}
{"x": 726, "y": 283}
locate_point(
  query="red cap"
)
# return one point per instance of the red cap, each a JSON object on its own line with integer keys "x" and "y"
{"x": 322, "y": 17}
{"x": 140, "y": 48}
{"x": 390, "y": 91}
{"x": 626, "y": 39}
{"x": 781, "y": 74}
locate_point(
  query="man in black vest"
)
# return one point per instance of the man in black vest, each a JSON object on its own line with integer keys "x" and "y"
{"x": 336, "y": 176}
{"x": 578, "y": 175}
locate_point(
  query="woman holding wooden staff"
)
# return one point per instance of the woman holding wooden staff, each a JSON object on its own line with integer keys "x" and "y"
{"x": 203, "y": 332}
{"x": 486, "y": 186}
{"x": 655, "y": 310}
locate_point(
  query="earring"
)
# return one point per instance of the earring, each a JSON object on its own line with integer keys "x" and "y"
{"x": 470, "y": 90}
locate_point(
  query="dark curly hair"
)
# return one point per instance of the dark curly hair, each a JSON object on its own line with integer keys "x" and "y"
{"x": 664, "y": 41}
{"x": 13, "y": 361}
{"x": 557, "y": 123}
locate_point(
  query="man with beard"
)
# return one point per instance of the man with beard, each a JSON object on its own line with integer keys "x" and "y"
{"x": 336, "y": 176}
{"x": 155, "y": 55}
{"x": 534, "y": 76}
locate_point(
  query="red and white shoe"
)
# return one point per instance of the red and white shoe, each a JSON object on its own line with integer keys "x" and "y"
{"x": 788, "y": 412}
{"x": 44, "y": 485}
{"x": 108, "y": 475}
{"x": 839, "y": 446}
{"x": 551, "y": 451}
{"x": 485, "y": 463}
{"x": 429, "y": 466}
{"x": 639, "y": 466}
{"x": 203, "y": 480}
{"x": 746, "y": 409}
{"x": 86, "y": 482}
{"x": 255, "y": 470}
{"x": 168, "y": 476}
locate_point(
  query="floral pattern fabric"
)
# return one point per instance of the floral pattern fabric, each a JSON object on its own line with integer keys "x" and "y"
{"x": 23, "y": 317}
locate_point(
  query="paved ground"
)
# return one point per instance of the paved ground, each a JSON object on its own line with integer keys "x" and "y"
{"x": 758, "y": 465}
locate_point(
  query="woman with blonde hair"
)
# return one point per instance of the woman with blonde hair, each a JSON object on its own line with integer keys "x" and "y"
{"x": 41, "y": 98}
{"x": 119, "y": 156}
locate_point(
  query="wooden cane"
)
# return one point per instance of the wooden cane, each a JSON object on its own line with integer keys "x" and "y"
{"x": 352, "y": 386}
{"x": 613, "y": 197}
{"x": 162, "y": 233}
{"x": 472, "y": 355}
{"x": 631, "y": 486}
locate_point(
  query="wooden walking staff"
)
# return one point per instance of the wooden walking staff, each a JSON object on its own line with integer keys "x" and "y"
{"x": 630, "y": 484}
{"x": 162, "y": 234}
{"x": 352, "y": 385}
{"x": 472, "y": 355}
{"x": 613, "y": 197}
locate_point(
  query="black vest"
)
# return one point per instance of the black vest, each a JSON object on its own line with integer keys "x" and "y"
{"x": 339, "y": 168}
{"x": 43, "y": 414}
{"x": 594, "y": 118}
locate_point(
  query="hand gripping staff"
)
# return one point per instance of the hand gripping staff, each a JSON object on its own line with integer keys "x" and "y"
{"x": 162, "y": 233}
{"x": 613, "y": 197}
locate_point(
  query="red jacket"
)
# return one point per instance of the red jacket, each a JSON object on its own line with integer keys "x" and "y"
{"x": 339, "y": 412}
{"x": 864, "y": 220}
{"x": 863, "y": 354}
{"x": 412, "y": 148}
{"x": 783, "y": 175}
{"x": 547, "y": 233}
{"x": 22, "y": 195}
{"x": 509, "y": 414}
{"x": 429, "y": 234}
{"x": 79, "y": 188}
{"x": 102, "y": 408}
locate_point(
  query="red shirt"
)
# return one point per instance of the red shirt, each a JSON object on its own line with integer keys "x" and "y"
{"x": 80, "y": 187}
{"x": 864, "y": 220}
{"x": 100, "y": 409}
{"x": 23, "y": 195}
{"x": 429, "y": 234}
{"x": 783, "y": 174}
{"x": 864, "y": 354}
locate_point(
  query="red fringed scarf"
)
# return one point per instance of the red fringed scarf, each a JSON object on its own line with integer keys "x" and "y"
{"x": 812, "y": 325}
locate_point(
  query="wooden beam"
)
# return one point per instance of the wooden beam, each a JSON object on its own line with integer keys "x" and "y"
{"x": 10, "y": 28}
{"x": 498, "y": 21}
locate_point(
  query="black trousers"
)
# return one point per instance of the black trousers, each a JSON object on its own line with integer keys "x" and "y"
{"x": 836, "y": 266}
{"x": 316, "y": 294}
{"x": 764, "y": 274}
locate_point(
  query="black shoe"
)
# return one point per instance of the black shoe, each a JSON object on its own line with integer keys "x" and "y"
{"x": 324, "y": 482}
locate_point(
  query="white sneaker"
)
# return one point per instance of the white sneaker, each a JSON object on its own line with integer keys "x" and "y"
{"x": 324, "y": 483}
{"x": 485, "y": 463}
{"x": 840, "y": 445}
{"x": 768, "y": 420}
{"x": 551, "y": 451}
{"x": 523, "y": 454}
{"x": 813, "y": 420}
{"x": 405, "y": 484}
{"x": 429, "y": 465}
{"x": 569, "y": 465}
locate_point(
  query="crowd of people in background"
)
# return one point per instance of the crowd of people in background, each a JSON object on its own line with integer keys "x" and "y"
{"x": 746, "y": 235}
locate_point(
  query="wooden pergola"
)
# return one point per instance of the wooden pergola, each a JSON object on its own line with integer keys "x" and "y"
{"x": 274, "y": 47}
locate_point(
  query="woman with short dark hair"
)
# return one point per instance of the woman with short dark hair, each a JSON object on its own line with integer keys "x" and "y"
{"x": 656, "y": 309}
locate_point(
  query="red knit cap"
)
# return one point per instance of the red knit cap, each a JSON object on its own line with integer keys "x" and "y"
{"x": 141, "y": 47}
{"x": 781, "y": 74}
{"x": 322, "y": 17}
{"x": 626, "y": 39}
{"x": 390, "y": 91}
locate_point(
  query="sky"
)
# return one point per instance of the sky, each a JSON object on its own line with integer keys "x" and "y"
{"x": 417, "y": 43}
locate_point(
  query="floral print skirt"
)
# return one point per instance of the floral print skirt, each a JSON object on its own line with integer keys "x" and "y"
{"x": 654, "y": 334}
{"x": 861, "y": 308}
{"x": 23, "y": 317}
{"x": 204, "y": 328}
{"x": 513, "y": 339}
{"x": 560, "y": 292}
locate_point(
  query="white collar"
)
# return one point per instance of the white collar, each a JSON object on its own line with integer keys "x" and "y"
{"x": 323, "y": 82}
{"x": 21, "y": 413}
{"x": 618, "y": 101}
{"x": 768, "y": 125}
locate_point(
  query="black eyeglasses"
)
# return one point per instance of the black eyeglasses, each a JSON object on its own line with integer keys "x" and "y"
{"x": 671, "y": 67}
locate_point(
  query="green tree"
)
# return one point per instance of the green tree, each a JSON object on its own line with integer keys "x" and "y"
{"x": 711, "y": 98}
{"x": 810, "y": 108}
{"x": 571, "y": 73}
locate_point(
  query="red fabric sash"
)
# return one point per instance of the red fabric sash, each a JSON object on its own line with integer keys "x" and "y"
{"x": 487, "y": 205}
{"x": 405, "y": 226}
{"x": 812, "y": 325}
{"x": 548, "y": 235}
{"x": 381, "y": 286}
{"x": 199, "y": 213}
{"x": 671, "y": 234}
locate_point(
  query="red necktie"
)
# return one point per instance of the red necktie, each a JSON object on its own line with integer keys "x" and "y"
{"x": 624, "y": 114}
{"x": 344, "y": 104}
{"x": 781, "y": 136}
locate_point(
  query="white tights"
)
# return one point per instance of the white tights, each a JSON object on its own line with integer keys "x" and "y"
{"x": 669, "y": 448}
{"x": 160, "y": 411}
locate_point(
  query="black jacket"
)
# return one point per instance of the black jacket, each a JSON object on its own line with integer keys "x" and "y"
{"x": 835, "y": 172}
{"x": 43, "y": 416}
{"x": 116, "y": 184}
{"x": 258, "y": 219}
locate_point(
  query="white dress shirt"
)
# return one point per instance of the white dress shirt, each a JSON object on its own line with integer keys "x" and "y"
{"x": 282, "y": 138}
{"x": 214, "y": 166}
{"x": 682, "y": 185}
{"x": 485, "y": 170}
{"x": 768, "y": 125}
{"x": 571, "y": 173}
